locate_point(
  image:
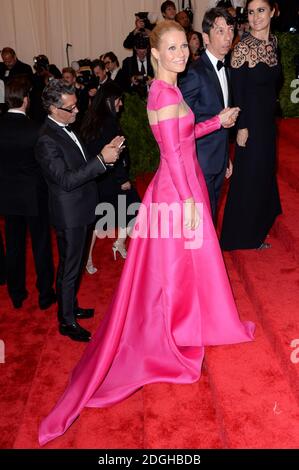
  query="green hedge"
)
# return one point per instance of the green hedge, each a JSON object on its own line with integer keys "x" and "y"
{"x": 143, "y": 148}
{"x": 144, "y": 151}
{"x": 289, "y": 46}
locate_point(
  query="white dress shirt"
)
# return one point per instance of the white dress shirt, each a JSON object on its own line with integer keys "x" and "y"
{"x": 221, "y": 77}
{"x": 16, "y": 111}
{"x": 2, "y": 93}
{"x": 139, "y": 63}
{"x": 102, "y": 83}
{"x": 114, "y": 73}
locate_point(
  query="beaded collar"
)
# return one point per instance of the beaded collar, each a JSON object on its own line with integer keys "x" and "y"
{"x": 253, "y": 51}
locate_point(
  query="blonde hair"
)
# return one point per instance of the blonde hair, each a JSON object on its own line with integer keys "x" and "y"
{"x": 156, "y": 36}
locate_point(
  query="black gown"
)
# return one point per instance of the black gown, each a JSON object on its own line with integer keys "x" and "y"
{"x": 253, "y": 200}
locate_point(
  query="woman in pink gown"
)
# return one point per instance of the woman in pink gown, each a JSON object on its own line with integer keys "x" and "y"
{"x": 174, "y": 296}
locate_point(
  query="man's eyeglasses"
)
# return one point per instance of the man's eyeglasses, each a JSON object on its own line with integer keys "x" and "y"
{"x": 69, "y": 110}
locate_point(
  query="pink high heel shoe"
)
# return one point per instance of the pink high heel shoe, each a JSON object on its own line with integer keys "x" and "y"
{"x": 119, "y": 247}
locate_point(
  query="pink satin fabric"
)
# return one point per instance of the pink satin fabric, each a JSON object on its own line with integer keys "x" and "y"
{"x": 170, "y": 301}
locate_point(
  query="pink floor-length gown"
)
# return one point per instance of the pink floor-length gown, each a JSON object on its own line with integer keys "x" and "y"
{"x": 170, "y": 301}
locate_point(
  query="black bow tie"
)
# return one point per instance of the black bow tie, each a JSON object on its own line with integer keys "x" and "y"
{"x": 220, "y": 64}
{"x": 68, "y": 128}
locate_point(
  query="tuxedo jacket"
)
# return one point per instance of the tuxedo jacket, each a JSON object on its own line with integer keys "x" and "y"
{"x": 202, "y": 92}
{"x": 23, "y": 190}
{"x": 119, "y": 80}
{"x": 73, "y": 194}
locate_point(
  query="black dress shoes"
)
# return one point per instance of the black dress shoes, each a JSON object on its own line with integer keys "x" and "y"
{"x": 84, "y": 312}
{"x": 264, "y": 246}
{"x": 75, "y": 332}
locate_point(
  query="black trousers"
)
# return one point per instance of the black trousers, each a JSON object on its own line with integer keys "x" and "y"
{"x": 214, "y": 185}
{"x": 72, "y": 248}
{"x": 2, "y": 261}
{"x": 15, "y": 236}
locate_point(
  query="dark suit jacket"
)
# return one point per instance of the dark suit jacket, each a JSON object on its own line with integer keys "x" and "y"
{"x": 202, "y": 91}
{"x": 120, "y": 79}
{"x": 73, "y": 194}
{"x": 18, "y": 69}
{"x": 22, "y": 187}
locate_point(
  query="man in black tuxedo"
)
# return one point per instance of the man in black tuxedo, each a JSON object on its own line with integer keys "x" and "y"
{"x": 99, "y": 77}
{"x": 12, "y": 66}
{"x": 23, "y": 199}
{"x": 73, "y": 197}
{"x": 137, "y": 71}
{"x": 206, "y": 89}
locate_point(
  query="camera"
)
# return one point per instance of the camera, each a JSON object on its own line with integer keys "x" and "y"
{"x": 149, "y": 21}
{"x": 141, "y": 79}
{"x": 83, "y": 70}
{"x": 41, "y": 63}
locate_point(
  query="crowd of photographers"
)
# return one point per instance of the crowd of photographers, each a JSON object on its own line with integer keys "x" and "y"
{"x": 136, "y": 72}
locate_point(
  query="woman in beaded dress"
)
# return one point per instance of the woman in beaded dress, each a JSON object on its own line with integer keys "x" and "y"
{"x": 253, "y": 200}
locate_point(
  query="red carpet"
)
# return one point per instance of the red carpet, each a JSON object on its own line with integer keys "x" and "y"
{"x": 248, "y": 395}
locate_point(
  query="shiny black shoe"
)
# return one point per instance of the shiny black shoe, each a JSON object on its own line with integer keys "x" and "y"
{"x": 84, "y": 312}
{"x": 75, "y": 332}
{"x": 264, "y": 246}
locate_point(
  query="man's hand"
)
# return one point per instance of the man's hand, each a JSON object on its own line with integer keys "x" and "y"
{"x": 126, "y": 186}
{"x": 229, "y": 170}
{"x": 92, "y": 92}
{"x": 149, "y": 81}
{"x": 228, "y": 117}
{"x": 242, "y": 137}
{"x": 135, "y": 80}
{"x": 139, "y": 23}
{"x": 112, "y": 150}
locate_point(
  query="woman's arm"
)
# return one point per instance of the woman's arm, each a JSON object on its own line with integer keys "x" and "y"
{"x": 168, "y": 123}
